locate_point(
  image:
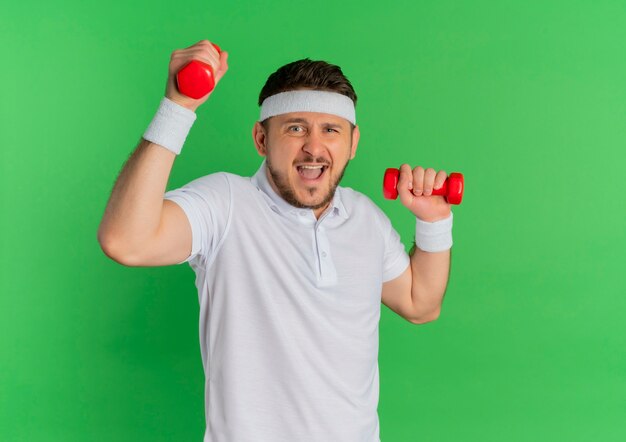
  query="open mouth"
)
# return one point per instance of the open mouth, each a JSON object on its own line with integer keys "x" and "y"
{"x": 311, "y": 172}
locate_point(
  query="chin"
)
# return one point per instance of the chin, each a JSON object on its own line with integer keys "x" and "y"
{"x": 297, "y": 192}
{"x": 321, "y": 198}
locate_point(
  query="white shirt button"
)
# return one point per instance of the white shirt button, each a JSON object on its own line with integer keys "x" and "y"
{"x": 323, "y": 254}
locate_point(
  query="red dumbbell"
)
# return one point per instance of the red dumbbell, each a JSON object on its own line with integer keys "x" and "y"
{"x": 452, "y": 188}
{"x": 196, "y": 78}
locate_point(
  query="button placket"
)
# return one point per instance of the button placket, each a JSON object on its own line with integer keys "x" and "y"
{"x": 326, "y": 266}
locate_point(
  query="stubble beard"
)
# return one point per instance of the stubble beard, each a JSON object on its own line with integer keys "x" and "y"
{"x": 287, "y": 193}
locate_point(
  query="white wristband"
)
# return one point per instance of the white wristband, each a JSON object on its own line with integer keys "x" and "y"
{"x": 170, "y": 126}
{"x": 434, "y": 237}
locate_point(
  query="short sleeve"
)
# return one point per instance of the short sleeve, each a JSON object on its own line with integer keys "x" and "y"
{"x": 395, "y": 259}
{"x": 207, "y": 203}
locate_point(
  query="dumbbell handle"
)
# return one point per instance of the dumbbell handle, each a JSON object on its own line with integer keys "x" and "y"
{"x": 452, "y": 188}
{"x": 196, "y": 78}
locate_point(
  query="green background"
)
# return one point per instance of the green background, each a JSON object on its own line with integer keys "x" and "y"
{"x": 526, "y": 98}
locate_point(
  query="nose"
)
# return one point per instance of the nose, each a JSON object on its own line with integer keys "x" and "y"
{"x": 314, "y": 144}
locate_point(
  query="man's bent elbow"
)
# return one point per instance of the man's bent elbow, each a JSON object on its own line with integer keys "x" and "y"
{"x": 114, "y": 254}
{"x": 429, "y": 317}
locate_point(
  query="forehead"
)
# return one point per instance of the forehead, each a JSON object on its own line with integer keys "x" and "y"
{"x": 311, "y": 118}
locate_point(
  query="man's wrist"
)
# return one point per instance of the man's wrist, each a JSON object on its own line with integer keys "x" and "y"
{"x": 434, "y": 236}
{"x": 170, "y": 126}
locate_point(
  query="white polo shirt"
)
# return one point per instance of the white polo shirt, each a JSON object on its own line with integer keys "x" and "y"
{"x": 289, "y": 310}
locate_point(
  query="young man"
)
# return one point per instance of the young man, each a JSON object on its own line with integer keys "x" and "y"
{"x": 290, "y": 267}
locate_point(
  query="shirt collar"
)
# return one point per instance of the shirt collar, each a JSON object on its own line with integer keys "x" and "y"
{"x": 277, "y": 202}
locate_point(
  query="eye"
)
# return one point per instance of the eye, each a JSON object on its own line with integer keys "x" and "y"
{"x": 330, "y": 129}
{"x": 295, "y": 129}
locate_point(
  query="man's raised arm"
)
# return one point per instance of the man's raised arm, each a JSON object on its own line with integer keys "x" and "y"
{"x": 133, "y": 225}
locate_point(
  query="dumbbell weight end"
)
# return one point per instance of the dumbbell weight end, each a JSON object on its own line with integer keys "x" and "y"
{"x": 196, "y": 78}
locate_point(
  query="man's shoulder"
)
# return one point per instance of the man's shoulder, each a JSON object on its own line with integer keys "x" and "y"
{"x": 218, "y": 180}
{"x": 357, "y": 201}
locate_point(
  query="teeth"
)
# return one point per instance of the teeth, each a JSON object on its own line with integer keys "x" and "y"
{"x": 310, "y": 167}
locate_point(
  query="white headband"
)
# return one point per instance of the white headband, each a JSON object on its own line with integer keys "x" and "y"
{"x": 308, "y": 101}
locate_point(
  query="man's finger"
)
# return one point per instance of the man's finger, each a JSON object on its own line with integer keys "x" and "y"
{"x": 418, "y": 181}
{"x": 223, "y": 66}
{"x": 405, "y": 184}
{"x": 429, "y": 181}
{"x": 440, "y": 179}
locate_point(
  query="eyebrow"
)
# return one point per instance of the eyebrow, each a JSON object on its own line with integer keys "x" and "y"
{"x": 302, "y": 120}
{"x": 295, "y": 120}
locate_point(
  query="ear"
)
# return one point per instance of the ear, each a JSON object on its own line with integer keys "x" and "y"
{"x": 260, "y": 139}
{"x": 356, "y": 134}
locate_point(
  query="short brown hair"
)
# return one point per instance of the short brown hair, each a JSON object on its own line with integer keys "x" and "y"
{"x": 307, "y": 74}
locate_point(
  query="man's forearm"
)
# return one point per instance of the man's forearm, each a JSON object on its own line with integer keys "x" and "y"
{"x": 430, "y": 273}
{"x": 133, "y": 213}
